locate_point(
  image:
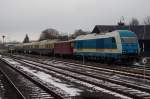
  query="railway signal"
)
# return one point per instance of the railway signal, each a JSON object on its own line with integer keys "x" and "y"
{"x": 144, "y": 61}
{"x": 3, "y": 38}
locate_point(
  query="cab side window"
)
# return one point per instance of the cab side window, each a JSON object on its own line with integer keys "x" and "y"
{"x": 113, "y": 40}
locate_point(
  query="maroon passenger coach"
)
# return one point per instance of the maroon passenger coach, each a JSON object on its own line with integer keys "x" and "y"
{"x": 63, "y": 48}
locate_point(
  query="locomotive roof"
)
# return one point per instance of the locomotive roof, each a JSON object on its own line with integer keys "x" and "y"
{"x": 96, "y": 35}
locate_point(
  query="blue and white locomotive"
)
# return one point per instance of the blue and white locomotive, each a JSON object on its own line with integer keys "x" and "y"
{"x": 116, "y": 45}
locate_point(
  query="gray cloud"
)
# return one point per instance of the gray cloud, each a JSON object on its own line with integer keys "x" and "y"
{"x": 18, "y": 17}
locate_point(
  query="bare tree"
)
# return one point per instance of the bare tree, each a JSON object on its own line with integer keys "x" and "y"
{"x": 134, "y": 22}
{"x": 26, "y": 39}
{"x": 79, "y": 32}
{"x": 147, "y": 20}
{"x": 49, "y": 34}
{"x": 122, "y": 21}
{"x": 63, "y": 37}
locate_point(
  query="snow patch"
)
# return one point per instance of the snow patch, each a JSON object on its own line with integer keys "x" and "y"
{"x": 56, "y": 82}
{"x": 11, "y": 61}
{"x": 47, "y": 78}
{"x": 137, "y": 64}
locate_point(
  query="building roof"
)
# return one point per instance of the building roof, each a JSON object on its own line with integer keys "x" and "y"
{"x": 142, "y": 31}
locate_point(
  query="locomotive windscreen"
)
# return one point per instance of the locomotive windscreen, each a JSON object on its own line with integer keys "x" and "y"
{"x": 129, "y": 40}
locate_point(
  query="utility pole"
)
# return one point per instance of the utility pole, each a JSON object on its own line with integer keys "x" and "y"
{"x": 143, "y": 52}
{"x": 83, "y": 59}
{"x": 144, "y": 37}
{"x": 3, "y": 38}
{"x": 68, "y": 35}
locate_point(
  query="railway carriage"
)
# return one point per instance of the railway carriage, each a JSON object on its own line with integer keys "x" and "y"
{"x": 31, "y": 47}
{"x": 116, "y": 45}
{"x": 19, "y": 48}
{"x": 46, "y": 47}
{"x": 63, "y": 48}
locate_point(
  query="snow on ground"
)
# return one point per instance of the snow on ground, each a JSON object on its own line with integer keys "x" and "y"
{"x": 56, "y": 82}
{"x": 11, "y": 61}
{"x": 48, "y": 78}
{"x": 52, "y": 62}
{"x": 90, "y": 85}
{"x": 137, "y": 64}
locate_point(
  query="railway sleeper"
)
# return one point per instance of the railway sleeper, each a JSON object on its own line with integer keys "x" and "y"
{"x": 143, "y": 95}
{"x": 117, "y": 87}
{"x": 130, "y": 90}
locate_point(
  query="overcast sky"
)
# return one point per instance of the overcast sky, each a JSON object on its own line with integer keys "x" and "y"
{"x": 20, "y": 17}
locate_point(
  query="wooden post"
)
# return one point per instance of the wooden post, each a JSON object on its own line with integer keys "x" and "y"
{"x": 83, "y": 59}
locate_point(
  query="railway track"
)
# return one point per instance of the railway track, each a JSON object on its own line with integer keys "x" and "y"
{"x": 97, "y": 79}
{"x": 97, "y": 94}
{"x": 111, "y": 71}
{"x": 135, "y": 69}
{"x": 128, "y": 71}
{"x": 28, "y": 86}
{"x": 7, "y": 88}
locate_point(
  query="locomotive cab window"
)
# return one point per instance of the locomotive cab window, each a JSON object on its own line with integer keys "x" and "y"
{"x": 113, "y": 40}
{"x": 128, "y": 39}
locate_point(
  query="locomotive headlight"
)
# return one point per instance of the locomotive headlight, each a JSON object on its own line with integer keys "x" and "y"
{"x": 124, "y": 51}
{"x": 136, "y": 51}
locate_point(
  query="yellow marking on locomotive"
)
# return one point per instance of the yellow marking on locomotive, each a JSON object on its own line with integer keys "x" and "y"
{"x": 96, "y": 50}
